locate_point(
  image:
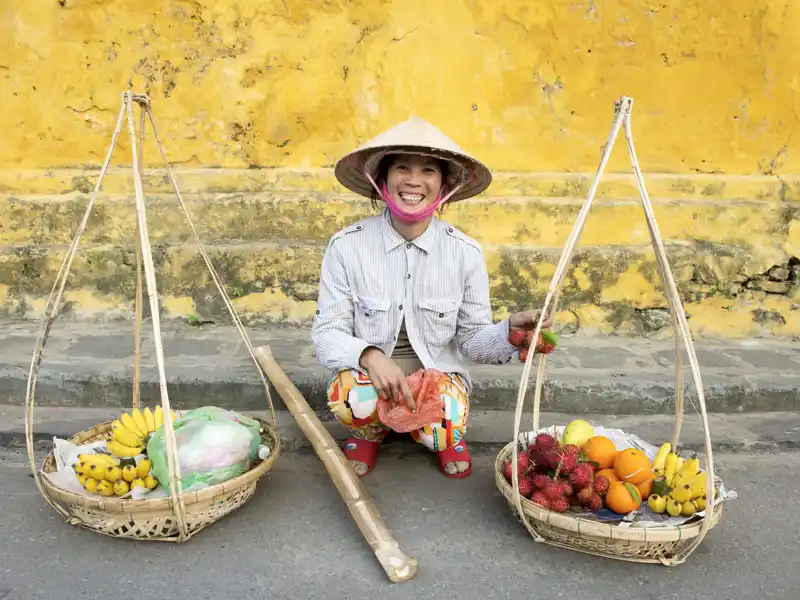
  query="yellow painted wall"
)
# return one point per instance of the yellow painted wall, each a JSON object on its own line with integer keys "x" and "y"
{"x": 256, "y": 100}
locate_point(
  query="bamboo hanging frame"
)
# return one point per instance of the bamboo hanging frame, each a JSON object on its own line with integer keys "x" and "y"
{"x": 181, "y": 515}
{"x": 670, "y": 546}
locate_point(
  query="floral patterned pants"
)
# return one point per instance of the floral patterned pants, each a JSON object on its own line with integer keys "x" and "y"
{"x": 353, "y": 400}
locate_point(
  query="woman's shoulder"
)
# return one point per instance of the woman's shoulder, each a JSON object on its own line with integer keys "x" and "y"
{"x": 365, "y": 225}
{"x": 456, "y": 236}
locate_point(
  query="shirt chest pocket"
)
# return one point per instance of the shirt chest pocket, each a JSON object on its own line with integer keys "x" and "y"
{"x": 372, "y": 319}
{"x": 439, "y": 319}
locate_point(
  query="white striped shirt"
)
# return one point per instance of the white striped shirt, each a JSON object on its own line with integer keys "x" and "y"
{"x": 371, "y": 278}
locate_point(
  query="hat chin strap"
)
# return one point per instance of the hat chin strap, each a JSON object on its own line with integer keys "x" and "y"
{"x": 403, "y": 215}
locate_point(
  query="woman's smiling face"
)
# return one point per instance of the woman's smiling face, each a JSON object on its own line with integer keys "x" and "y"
{"x": 414, "y": 181}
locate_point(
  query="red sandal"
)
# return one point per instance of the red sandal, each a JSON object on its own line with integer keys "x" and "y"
{"x": 362, "y": 451}
{"x": 458, "y": 453}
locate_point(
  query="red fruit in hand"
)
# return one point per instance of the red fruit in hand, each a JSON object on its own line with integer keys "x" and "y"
{"x": 523, "y": 355}
{"x": 516, "y": 337}
{"x": 559, "y": 505}
{"x": 600, "y": 485}
{"x": 582, "y": 475}
{"x": 540, "y": 499}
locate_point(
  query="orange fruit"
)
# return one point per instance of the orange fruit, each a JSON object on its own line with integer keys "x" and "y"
{"x": 646, "y": 487}
{"x": 608, "y": 474}
{"x": 633, "y": 466}
{"x": 623, "y": 497}
{"x": 601, "y": 450}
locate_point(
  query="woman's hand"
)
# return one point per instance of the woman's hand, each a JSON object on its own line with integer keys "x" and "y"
{"x": 528, "y": 319}
{"x": 388, "y": 378}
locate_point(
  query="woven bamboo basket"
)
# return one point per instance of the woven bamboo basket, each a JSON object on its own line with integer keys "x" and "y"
{"x": 180, "y": 515}
{"x": 671, "y": 545}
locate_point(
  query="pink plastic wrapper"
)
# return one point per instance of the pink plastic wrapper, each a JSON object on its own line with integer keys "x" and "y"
{"x": 424, "y": 386}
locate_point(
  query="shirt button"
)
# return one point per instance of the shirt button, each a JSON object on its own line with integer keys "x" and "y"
{"x": 408, "y": 245}
{"x": 358, "y": 227}
{"x": 317, "y": 312}
{"x": 401, "y": 307}
{"x": 408, "y": 276}
{"x": 441, "y": 315}
{"x": 450, "y": 229}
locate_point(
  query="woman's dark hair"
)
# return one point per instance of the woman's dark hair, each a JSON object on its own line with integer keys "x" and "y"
{"x": 385, "y": 164}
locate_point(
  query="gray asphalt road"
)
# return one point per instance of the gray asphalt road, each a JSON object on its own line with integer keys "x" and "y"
{"x": 295, "y": 539}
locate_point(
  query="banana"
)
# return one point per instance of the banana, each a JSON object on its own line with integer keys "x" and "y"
{"x": 690, "y": 467}
{"x": 661, "y": 456}
{"x": 95, "y": 471}
{"x": 118, "y": 449}
{"x": 673, "y": 507}
{"x": 702, "y": 502}
{"x": 105, "y": 488}
{"x": 150, "y": 482}
{"x": 79, "y": 468}
{"x": 128, "y": 421}
{"x": 138, "y": 418}
{"x": 124, "y": 435}
{"x": 150, "y": 420}
{"x": 113, "y": 474}
{"x": 689, "y": 508}
{"x": 82, "y": 480}
{"x": 90, "y": 484}
{"x": 678, "y": 465}
{"x": 682, "y": 494}
{"x": 658, "y": 504}
{"x": 158, "y": 416}
{"x": 129, "y": 473}
{"x": 121, "y": 487}
{"x": 138, "y": 482}
{"x": 698, "y": 485}
{"x": 143, "y": 468}
{"x": 97, "y": 458}
{"x": 670, "y": 466}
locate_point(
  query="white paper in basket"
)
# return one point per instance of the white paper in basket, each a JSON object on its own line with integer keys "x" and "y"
{"x": 643, "y": 517}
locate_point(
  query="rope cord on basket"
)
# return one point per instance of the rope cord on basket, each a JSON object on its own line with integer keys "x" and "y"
{"x": 682, "y": 333}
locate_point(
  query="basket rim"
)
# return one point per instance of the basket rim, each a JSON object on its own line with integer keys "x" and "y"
{"x": 586, "y": 527}
{"x": 120, "y": 505}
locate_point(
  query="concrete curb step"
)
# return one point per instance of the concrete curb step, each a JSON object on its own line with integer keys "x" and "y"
{"x": 729, "y": 432}
{"x": 91, "y": 365}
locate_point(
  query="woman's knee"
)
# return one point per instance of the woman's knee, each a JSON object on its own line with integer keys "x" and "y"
{"x": 352, "y": 398}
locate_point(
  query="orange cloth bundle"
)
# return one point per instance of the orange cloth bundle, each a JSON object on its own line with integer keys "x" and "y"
{"x": 424, "y": 386}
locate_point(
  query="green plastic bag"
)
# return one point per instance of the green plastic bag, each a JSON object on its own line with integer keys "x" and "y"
{"x": 214, "y": 445}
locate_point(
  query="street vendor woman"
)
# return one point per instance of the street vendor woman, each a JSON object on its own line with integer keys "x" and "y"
{"x": 403, "y": 290}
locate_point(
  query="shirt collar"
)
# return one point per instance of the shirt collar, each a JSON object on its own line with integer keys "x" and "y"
{"x": 392, "y": 239}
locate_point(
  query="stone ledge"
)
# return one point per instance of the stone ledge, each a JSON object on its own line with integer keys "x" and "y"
{"x": 729, "y": 433}
{"x": 91, "y": 365}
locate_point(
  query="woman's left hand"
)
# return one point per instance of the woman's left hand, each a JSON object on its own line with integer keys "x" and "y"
{"x": 528, "y": 319}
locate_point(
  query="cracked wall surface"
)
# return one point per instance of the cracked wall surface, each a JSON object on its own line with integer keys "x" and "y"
{"x": 256, "y": 100}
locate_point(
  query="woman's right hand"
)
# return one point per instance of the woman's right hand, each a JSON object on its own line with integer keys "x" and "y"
{"x": 388, "y": 378}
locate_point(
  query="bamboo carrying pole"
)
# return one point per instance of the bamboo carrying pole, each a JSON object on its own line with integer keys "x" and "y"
{"x": 144, "y": 262}
{"x": 398, "y": 566}
{"x": 683, "y": 337}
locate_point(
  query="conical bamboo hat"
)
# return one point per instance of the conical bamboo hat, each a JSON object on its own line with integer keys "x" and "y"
{"x": 419, "y": 137}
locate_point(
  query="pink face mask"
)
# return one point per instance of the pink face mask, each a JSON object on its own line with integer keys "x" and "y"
{"x": 400, "y": 213}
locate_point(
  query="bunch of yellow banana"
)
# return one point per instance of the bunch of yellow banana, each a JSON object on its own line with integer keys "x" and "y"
{"x": 103, "y": 474}
{"x": 687, "y": 484}
{"x": 131, "y": 432}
